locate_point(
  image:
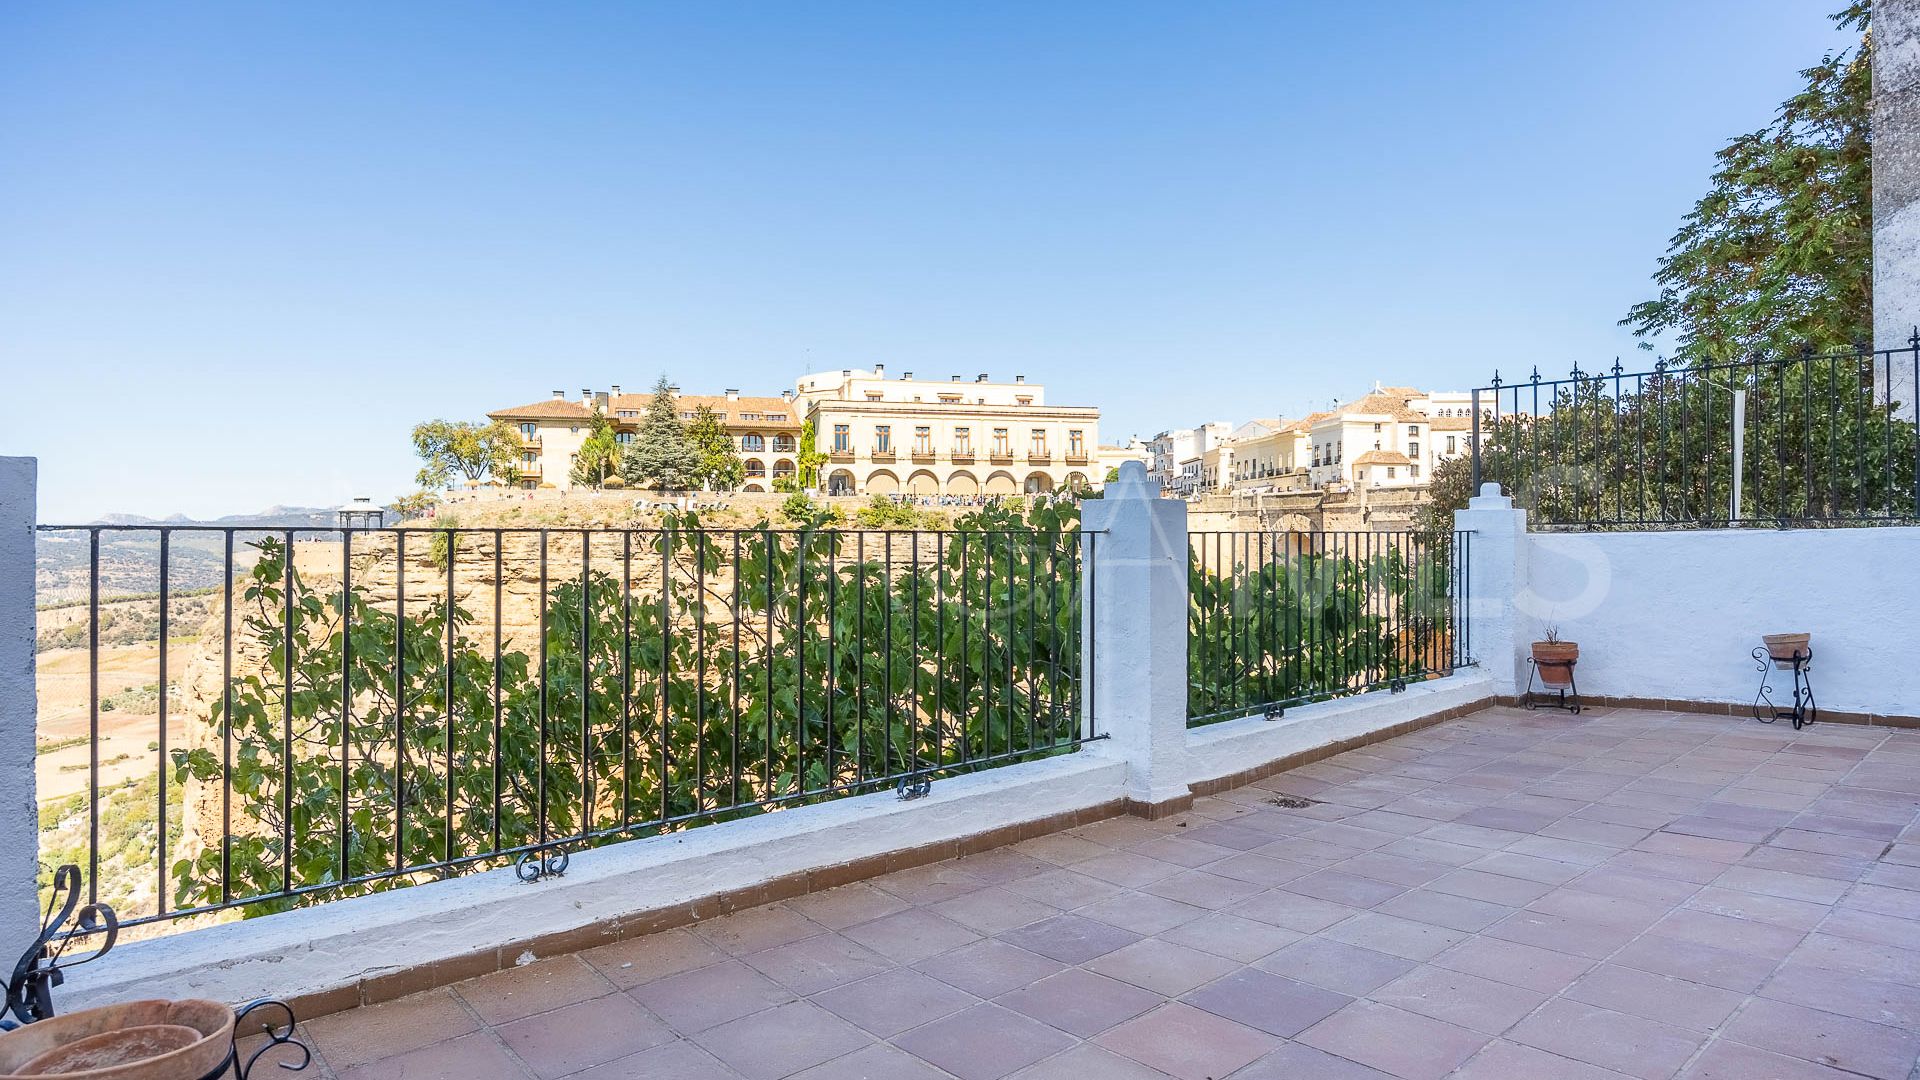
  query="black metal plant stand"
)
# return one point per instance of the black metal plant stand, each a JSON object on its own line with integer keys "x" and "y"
{"x": 1564, "y": 697}
{"x": 1804, "y": 711}
{"x": 29, "y": 997}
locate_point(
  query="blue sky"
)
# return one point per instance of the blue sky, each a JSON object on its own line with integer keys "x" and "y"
{"x": 248, "y": 245}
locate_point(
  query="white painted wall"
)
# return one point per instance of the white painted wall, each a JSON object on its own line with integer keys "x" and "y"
{"x": 19, "y": 821}
{"x": 1896, "y": 193}
{"x": 1234, "y": 746}
{"x": 1676, "y": 615}
{"x": 311, "y": 950}
{"x": 1136, "y": 609}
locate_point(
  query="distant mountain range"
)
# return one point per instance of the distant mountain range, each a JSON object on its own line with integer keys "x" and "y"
{"x": 130, "y": 560}
{"x": 273, "y": 517}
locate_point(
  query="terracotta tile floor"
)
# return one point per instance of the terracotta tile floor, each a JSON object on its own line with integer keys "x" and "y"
{"x": 1508, "y": 896}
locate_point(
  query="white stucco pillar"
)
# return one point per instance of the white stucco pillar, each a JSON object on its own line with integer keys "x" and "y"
{"x": 1896, "y": 194}
{"x": 1134, "y": 606}
{"x": 1496, "y": 575}
{"x": 19, "y": 816}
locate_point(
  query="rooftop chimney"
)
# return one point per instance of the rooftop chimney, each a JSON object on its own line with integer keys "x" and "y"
{"x": 786, "y": 395}
{"x": 559, "y": 395}
{"x": 586, "y": 396}
{"x": 879, "y": 371}
{"x": 674, "y": 390}
{"x": 1019, "y": 378}
{"x": 982, "y": 377}
{"x": 907, "y": 375}
{"x": 615, "y": 390}
{"x": 846, "y": 371}
{"x": 733, "y": 395}
{"x": 956, "y": 378}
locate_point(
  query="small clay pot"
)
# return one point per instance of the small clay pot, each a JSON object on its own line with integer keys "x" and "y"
{"x": 137, "y": 1040}
{"x": 1784, "y": 647}
{"x": 1554, "y": 661}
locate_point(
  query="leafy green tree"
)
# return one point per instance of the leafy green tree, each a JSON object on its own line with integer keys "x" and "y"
{"x": 660, "y": 456}
{"x": 720, "y": 466}
{"x": 749, "y": 668}
{"x": 1274, "y": 623}
{"x": 803, "y": 512}
{"x": 450, "y": 448}
{"x": 598, "y": 459}
{"x": 1767, "y": 289}
{"x": 884, "y": 513}
{"x": 811, "y": 458}
{"x": 410, "y": 506}
{"x": 1778, "y": 253}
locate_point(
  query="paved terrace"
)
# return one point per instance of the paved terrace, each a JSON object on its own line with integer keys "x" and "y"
{"x": 1512, "y": 896}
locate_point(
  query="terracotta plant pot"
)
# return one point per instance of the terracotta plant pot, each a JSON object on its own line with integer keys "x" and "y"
{"x": 137, "y": 1040}
{"x": 1783, "y": 647}
{"x": 1553, "y": 660}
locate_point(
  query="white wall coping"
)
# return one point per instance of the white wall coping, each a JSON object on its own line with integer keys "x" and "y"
{"x": 1235, "y": 746}
{"x": 337, "y": 944}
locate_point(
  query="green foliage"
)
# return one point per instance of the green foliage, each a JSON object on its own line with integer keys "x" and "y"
{"x": 1778, "y": 253}
{"x": 598, "y": 458}
{"x": 745, "y": 668}
{"x": 800, "y": 511}
{"x": 135, "y": 699}
{"x": 1658, "y": 449}
{"x": 1449, "y": 487}
{"x": 720, "y": 466}
{"x": 1268, "y": 624}
{"x": 884, "y": 513}
{"x": 660, "y": 457}
{"x": 810, "y": 458}
{"x": 458, "y": 448}
{"x": 411, "y": 506}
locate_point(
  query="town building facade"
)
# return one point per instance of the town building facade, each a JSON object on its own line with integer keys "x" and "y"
{"x": 880, "y": 435}
{"x": 930, "y": 437}
{"x": 1391, "y": 436}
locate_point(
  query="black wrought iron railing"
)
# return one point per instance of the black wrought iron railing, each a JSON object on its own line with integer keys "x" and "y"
{"x": 238, "y": 718}
{"x": 1813, "y": 439}
{"x": 1283, "y": 618}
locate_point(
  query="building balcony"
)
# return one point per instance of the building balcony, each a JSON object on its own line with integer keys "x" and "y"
{"x": 1000, "y": 457}
{"x": 884, "y": 456}
{"x": 923, "y": 455}
{"x": 840, "y": 456}
{"x": 1039, "y": 457}
{"x": 1076, "y": 459}
{"x": 961, "y": 457}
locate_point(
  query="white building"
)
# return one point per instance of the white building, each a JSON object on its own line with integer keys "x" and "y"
{"x": 1175, "y": 455}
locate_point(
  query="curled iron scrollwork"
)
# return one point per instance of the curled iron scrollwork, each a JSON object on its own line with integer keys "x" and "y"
{"x": 41, "y": 967}
{"x": 280, "y": 1033}
{"x": 1804, "y": 710}
{"x": 543, "y": 863}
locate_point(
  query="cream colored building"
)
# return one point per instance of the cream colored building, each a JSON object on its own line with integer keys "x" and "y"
{"x": 1109, "y": 458}
{"x": 946, "y": 437}
{"x": 766, "y": 431}
{"x": 1392, "y": 436}
{"x": 881, "y": 435}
